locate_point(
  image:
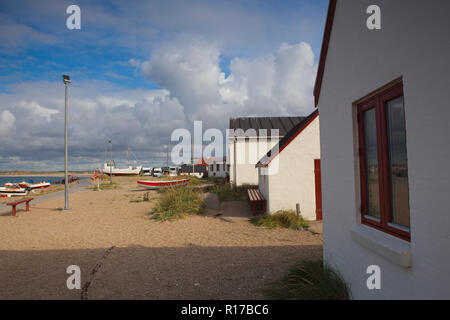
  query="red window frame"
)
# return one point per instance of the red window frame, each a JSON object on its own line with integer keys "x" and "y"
{"x": 378, "y": 102}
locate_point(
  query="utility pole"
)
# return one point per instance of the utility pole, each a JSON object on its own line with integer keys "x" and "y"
{"x": 110, "y": 163}
{"x": 66, "y": 80}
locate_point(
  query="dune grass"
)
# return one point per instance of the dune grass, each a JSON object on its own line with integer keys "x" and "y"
{"x": 280, "y": 219}
{"x": 230, "y": 192}
{"x": 177, "y": 202}
{"x": 310, "y": 280}
{"x": 104, "y": 186}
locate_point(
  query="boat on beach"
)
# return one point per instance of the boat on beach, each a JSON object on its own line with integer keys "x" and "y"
{"x": 39, "y": 185}
{"x": 15, "y": 190}
{"x": 110, "y": 168}
{"x": 159, "y": 184}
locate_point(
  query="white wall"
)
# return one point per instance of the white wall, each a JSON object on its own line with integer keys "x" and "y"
{"x": 248, "y": 152}
{"x": 291, "y": 174}
{"x": 412, "y": 43}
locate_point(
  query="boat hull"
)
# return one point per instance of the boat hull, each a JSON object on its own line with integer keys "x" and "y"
{"x": 13, "y": 192}
{"x": 155, "y": 184}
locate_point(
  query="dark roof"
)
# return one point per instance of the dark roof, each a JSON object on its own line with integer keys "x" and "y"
{"x": 324, "y": 50}
{"x": 197, "y": 168}
{"x": 265, "y": 160}
{"x": 284, "y": 124}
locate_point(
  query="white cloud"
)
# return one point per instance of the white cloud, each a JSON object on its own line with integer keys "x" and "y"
{"x": 276, "y": 84}
{"x": 194, "y": 88}
{"x": 7, "y": 121}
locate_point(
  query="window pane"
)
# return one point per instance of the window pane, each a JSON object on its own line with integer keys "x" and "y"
{"x": 398, "y": 165}
{"x": 370, "y": 141}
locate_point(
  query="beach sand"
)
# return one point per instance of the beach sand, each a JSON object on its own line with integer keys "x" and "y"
{"x": 125, "y": 255}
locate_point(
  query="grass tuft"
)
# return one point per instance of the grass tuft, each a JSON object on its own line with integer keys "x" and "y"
{"x": 104, "y": 186}
{"x": 177, "y": 202}
{"x": 310, "y": 280}
{"x": 280, "y": 219}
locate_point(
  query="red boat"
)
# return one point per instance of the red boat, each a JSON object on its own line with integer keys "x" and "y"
{"x": 158, "y": 184}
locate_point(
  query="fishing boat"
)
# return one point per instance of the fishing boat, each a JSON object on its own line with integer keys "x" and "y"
{"x": 159, "y": 184}
{"x": 14, "y": 190}
{"x": 39, "y": 185}
{"x": 110, "y": 168}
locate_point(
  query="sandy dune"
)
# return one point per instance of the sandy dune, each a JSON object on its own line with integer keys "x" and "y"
{"x": 200, "y": 257}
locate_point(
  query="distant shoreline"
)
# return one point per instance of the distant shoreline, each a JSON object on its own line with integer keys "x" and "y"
{"x": 40, "y": 174}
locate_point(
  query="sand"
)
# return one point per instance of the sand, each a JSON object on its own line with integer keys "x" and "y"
{"x": 125, "y": 255}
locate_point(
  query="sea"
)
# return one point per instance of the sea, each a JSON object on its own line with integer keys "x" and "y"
{"x": 32, "y": 179}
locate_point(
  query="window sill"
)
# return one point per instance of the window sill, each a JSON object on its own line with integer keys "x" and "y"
{"x": 395, "y": 250}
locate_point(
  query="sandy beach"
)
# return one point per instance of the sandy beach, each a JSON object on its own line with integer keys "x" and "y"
{"x": 125, "y": 255}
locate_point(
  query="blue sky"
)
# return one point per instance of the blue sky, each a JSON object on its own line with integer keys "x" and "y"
{"x": 193, "y": 58}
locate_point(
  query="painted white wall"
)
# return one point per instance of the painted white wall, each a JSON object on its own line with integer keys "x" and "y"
{"x": 412, "y": 43}
{"x": 248, "y": 152}
{"x": 291, "y": 174}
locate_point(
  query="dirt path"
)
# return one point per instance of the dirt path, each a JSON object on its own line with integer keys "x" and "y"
{"x": 200, "y": 257}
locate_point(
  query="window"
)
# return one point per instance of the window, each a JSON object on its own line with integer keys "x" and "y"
{"x": 212, "y": 167}
{"x": 218, "y": 167}
{"x": 383, "y": 162}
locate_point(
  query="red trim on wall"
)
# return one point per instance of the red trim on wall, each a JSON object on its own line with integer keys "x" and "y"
{"x": 290, "y": 140}
{"x": 324, "y": 50}
{"x": 318, "y": 187}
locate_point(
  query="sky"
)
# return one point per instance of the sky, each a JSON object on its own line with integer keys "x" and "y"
{"x": 141, "y": 69}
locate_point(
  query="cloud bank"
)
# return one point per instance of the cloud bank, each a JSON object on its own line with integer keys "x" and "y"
{"x": 193, "y": 88}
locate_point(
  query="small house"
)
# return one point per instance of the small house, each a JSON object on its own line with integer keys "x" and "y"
{"x": 289, "y": 174}
{"x": 249, "y": 139}
{"x": 382, "y": 94}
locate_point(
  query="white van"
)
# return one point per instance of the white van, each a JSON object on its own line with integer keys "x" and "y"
{"x": 157, "y": 172}
{"x": 173, "y": 171}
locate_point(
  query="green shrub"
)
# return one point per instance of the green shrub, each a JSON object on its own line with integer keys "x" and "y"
{"x": 177, "y": 202}
{"x": 310, "y": 280}
{"x": 280, "y": 219}
{"x": 229, "y": 192}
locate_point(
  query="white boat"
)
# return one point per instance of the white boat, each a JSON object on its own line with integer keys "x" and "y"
{"x": 109, "y": 168}
{"x": 11, "y": 191}
{"x": 39, "y": 185}
{"x": 159, "y": 184}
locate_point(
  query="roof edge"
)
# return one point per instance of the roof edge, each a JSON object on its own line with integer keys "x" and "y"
{"x": 324, "y": 50}
{"x": 302, "y": 125}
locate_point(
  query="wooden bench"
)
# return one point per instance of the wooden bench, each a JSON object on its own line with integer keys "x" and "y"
{"x": 256, "y": 199}
{"x": 15, "y": 203}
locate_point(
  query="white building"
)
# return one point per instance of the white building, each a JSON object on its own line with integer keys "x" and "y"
{"x": 288, "y": 173}
{"x": 218, "y": 167}
{"x": 249, "y": 140}
{"x": 382, "y": 95}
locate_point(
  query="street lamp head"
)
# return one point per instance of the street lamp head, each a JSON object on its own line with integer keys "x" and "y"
{"x": 66, "y": 78}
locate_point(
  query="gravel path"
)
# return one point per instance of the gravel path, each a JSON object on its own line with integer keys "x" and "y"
{"x": 124, "y": 255}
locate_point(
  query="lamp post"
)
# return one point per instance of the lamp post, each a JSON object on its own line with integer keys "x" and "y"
{"x": 110, "y": 163}
{"x": 66, "y": 80}
{"x": 167, "y": 156}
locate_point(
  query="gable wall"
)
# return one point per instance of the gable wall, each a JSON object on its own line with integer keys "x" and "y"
{"x": 413, "y": 43}
{"x": 291, "y": 174}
